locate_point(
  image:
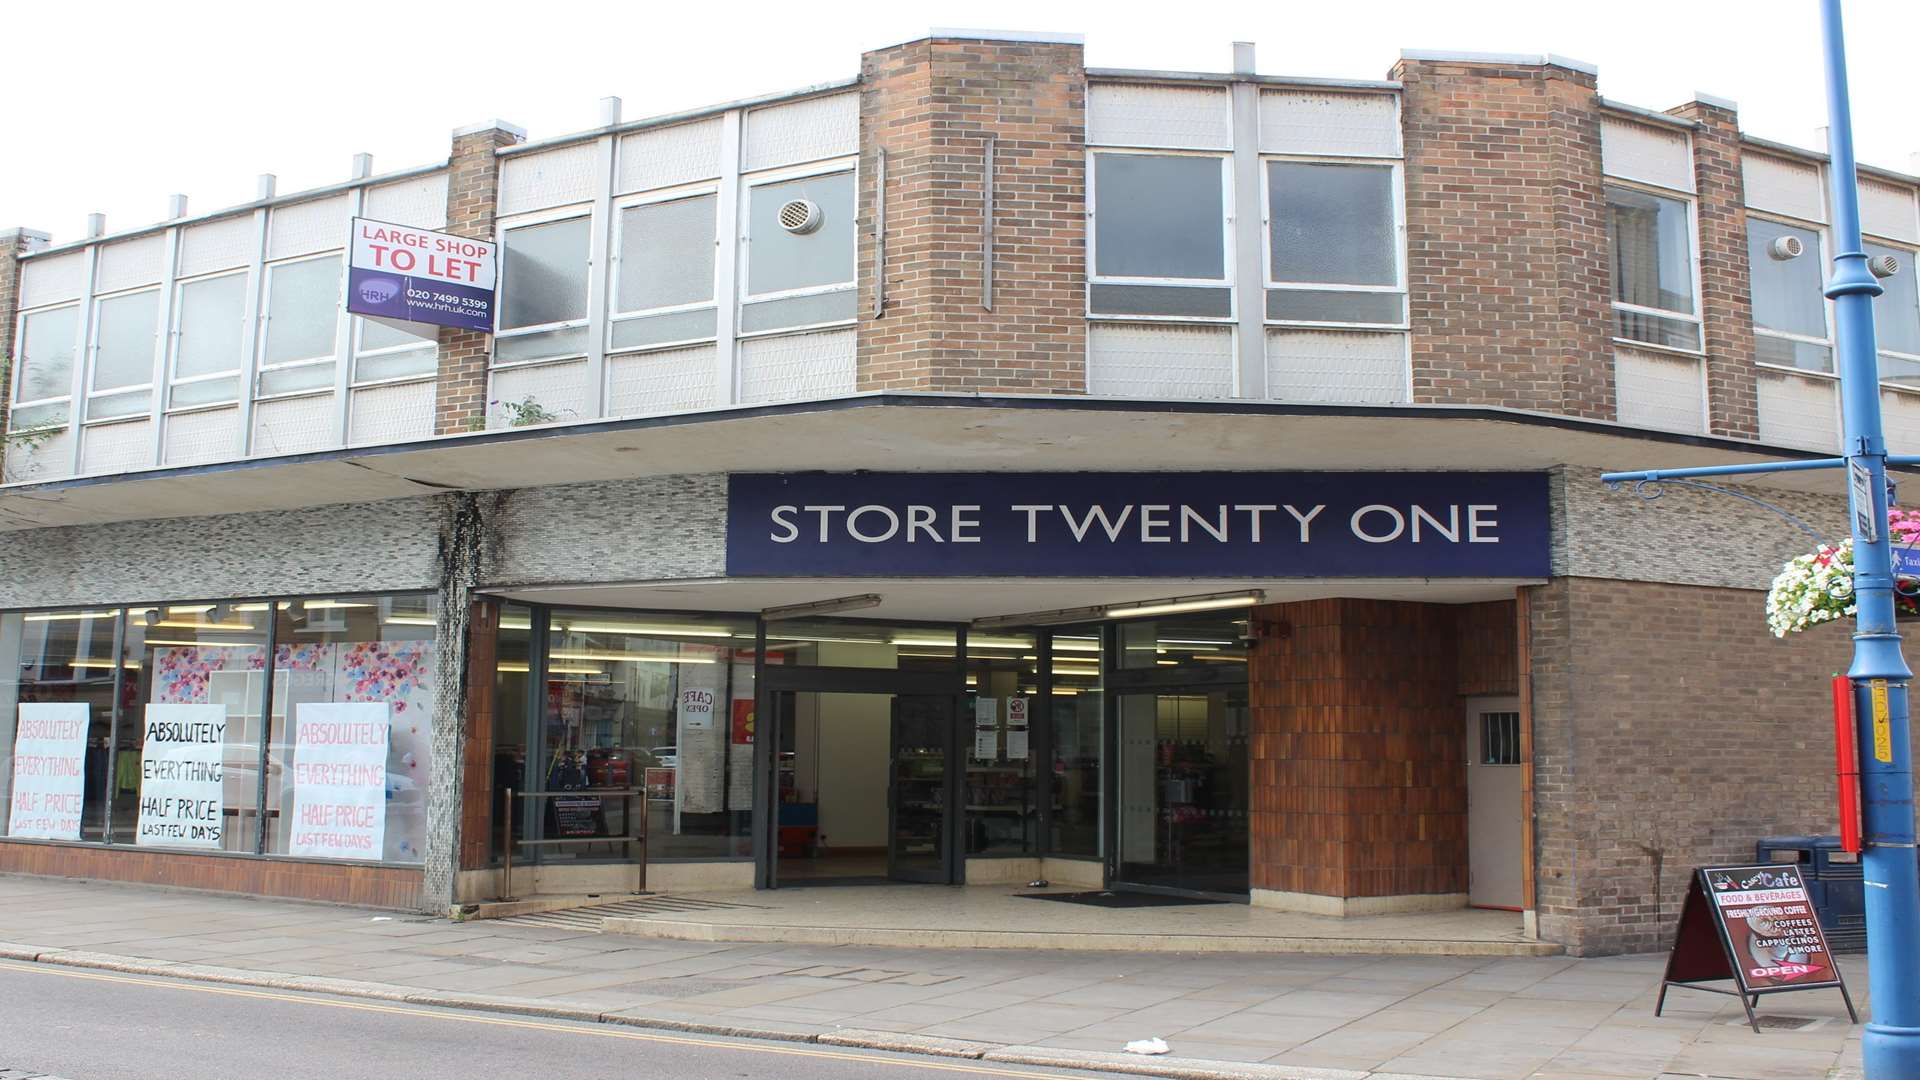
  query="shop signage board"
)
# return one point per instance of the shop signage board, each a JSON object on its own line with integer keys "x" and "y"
{"x": 1754, "y": 925}
{"x": 417, "y": 275}
{"x": 340, "y": 780}
{"x": 49, "y": 770}
{"x": 182, "y": 776}
{"x": 1375, "y": 524}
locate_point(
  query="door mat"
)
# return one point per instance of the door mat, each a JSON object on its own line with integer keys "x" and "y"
{"x": 1120, "y": 899}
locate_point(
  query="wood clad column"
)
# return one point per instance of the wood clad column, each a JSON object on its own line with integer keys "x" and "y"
{"x": 476, "y": 788}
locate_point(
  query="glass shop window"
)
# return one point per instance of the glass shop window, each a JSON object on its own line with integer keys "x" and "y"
{"x": 799, "y": 253}
{"x": 1652, "y": 242}
{"x": 1896, "y": 317}
{"x": 1160, "y": 236}
{"x": 123, "y": 346}
{"x": 663, "y": 273}
{"x": 1332, "y": 224}
{"x": 57, "y": 672}
{"x": 543, "y": 283}
{"x": 210, "y": 333}
{"x": 1078, "y": 711}
{"x": 512, "y": 720}
{"x": 1000, "y": 725}
{"x": 1786, "y": 268}
{"x": 43, "y": 376}
{"x": 303, "y": 308}
{"x": 852, "y": 643}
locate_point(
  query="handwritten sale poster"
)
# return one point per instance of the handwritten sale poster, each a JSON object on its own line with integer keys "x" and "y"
{"x": 182, "y": 785}
{"x": 340, "y": 780}
{"x": 49, "y": 770}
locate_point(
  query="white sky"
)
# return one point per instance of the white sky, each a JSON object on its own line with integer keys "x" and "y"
{"x": 112, "y": 108}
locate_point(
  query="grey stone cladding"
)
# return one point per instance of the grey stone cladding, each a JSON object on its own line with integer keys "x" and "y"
{"x": 628, "y": 530}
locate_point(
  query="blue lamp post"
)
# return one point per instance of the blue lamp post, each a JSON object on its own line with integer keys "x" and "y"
{"x": 1891, "y": 1045}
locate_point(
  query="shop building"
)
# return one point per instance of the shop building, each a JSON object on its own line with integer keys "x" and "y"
{"x": 980, "y": 469}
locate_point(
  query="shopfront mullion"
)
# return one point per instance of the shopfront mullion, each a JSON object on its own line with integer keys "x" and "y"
{"x": 766, "y": 783}
{"x": 1109, "y": 845}
{"x": 532, "y": 822}
{"x": 266, "y": 727}
{"x": 119, "y": 656}
{"x": 1042, "y": 725}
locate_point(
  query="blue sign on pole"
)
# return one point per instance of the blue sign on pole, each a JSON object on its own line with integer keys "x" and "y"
{"x": 1278, "y": 525}
{"x": 417, "y": 275}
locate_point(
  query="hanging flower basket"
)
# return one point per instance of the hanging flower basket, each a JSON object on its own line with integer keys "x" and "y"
{"x": 1818, "y": 587}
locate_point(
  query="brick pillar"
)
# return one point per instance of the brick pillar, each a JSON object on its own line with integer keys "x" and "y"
{"x": 473, "y": 187}
{"x": 13, "y": 244}
{"x": 1726, "y": 303}
{"x": 1359, "y": 787}
{"x": 931, "y": 105}
{"x": 1508, "y": 283}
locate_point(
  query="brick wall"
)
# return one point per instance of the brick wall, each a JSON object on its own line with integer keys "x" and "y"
{"x": 1359, "y": 784}
{"x": 392, "y": 887}
{"x": 1508, "y": 284}
{"x": 930, "y": 106}
{"x": 1726, "y": 303}
{"x": 1670, "y": 731}
{"x": 473, "y": 186}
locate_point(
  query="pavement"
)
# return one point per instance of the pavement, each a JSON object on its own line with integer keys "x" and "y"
{"x": 1225, "y": 1014}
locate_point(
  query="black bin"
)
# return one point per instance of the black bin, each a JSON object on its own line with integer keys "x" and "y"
{"x": 1833, "y": 880}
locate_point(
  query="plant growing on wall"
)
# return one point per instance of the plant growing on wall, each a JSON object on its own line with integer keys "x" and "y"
{"x": 525, "y": 412}
{"x": 1818, "y": 587}
{"x": 27, "y": 439}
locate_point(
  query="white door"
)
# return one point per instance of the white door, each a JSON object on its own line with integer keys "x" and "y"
{"x": 1494, "y": 851}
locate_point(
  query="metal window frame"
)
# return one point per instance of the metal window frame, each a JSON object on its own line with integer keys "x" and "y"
{"x": 1398, "y": 209}
{"x": 532, "y": 219}
{"x": 178, "y": 311}
{"x": 1692, "y": 203}
{"x": 743, "y": 242}
{"x": 1229, "y": 249}
{"x": 19, "y": 367}
{"x": 261, "y": 367}
{"x": 1912, "y": 259}
{"x": 656, "y": 197}
{"x": 87, "y": 419}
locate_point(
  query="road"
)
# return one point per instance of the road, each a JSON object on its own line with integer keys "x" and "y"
{"x": 94, "y": 1025}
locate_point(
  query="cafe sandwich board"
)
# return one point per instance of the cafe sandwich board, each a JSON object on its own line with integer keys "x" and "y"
{"x": 1757, "y": 926}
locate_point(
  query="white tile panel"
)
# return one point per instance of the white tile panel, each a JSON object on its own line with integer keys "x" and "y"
{"x": 198, "y": 437}
{"x": 115, "y": 448}
{"x": 1646, "y": 153}
{"x": 1184, "y": 363}
{"x": 797, "y": 367}
{"x": 1665, "y": 393}
{"x": 52, "y": 279}
{"x": 420, "y": 202}
{"x": 673, "y": 380}
{"x": 397, "y": 412}
{"x": 1783, "y": 187}
{"x": 1887, "y": 210}
{"x": 128, "y": 264}
{"x": 557, "y": 177}
{"x": 1335, "y": 366}
{"x": 1317, "y": 122}
{"x": 806, "y": 130}
{"x": 1797, "y": 411}
{"x": 1900, "y": 412}
{"x": 216, "y": 245}
{"x": 561, "y": 389}
{"x": 293, "y": 425}
{"x": 1195, "y": 118}
{"x": 51, "y": 460}
{"x": 306, "y": 227}
{"x": 663, "y": 157}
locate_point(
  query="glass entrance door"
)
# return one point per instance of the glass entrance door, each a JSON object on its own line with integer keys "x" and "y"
{"x": 1183, "y": 781}
{"x": 919, "y": 840}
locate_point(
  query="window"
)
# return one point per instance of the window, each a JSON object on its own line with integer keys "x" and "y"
{"x": 1789, "y": 310}
{"x": 1077, "y": 733}
{"x": 56, "y": 722}
{"x": 1500, "y": 738}
{"x": 1002, "y": 689}
{"x": 386, "y": 349}
{"x": 663, "y": 276}
{"x": 209, "y": 340}
{"x": 303, "y": 307}
{"x": 123, "y": 338}
{"x": 43, "y": 382}
{"x": 1652, "y": 240}
{"x": 543, "y": 308}
{"x": 1159, "y": 236}
{"x": 1896, "y": 318}
{"x": 799, "y": 253}
{"x": 1335, "y": 225}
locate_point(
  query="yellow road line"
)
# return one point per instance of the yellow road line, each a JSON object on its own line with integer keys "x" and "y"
{"x": 577, "y": 1028}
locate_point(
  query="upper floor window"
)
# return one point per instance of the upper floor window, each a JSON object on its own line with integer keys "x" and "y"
{"x": 384, "y": 349}
{"x": 123, "y": 346}
{"x": 1333, "y": 244}
{"x": 663, "y": 272}
{"x": 1160, "y": 246}
{"x": 1896, "y": 317}
{"x": 303, "y": 312}
{"x": 1786, "y": 267}
{"x": 43, "y": 373}
{"x": 543, "y": 283}
{"x": 210, "y": 333}
{"x": 799, "y": 253}
{"x": 1653, "y": 268}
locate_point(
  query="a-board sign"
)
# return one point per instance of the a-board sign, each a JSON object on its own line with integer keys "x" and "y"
{"x": 1757, "y": 926}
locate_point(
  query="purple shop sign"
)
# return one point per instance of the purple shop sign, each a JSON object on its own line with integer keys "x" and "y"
{"x": 417, "y": 275}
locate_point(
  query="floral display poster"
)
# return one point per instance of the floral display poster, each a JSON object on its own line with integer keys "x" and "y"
{"x": 49, "y": 770}
{"x": 340, "y": 779}
{"x": 182, "y": 788}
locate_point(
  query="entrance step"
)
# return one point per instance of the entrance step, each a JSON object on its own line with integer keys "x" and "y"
{"x": 590, "y": 913}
